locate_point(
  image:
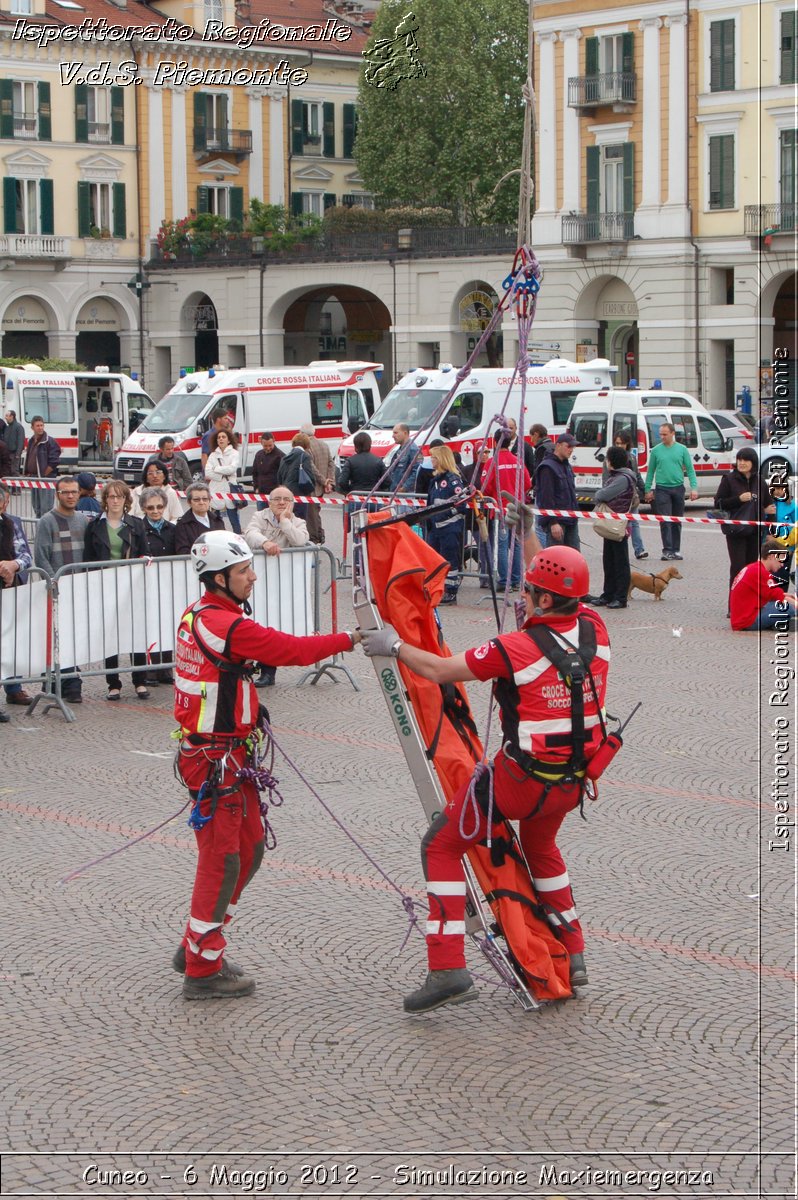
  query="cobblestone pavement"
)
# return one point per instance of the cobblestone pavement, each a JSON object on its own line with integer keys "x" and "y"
{"x": 677, "y": 1057}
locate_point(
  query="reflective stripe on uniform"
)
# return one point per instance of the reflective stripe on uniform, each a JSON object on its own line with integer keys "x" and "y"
{"x": 558, "y": 725}
{"x": 198, "y": 926}
{"x": 211, "y": 639}
{"x": 553, "y": 883}
{"x": 446, "y": 889}
{"x": 446, "y": 927}
{"x": 210, "y": 697}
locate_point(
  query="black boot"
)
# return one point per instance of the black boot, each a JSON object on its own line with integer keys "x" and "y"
{"x": 266, "y": 677}
{"x": 224, "y": 985}
{"x": 442, "y": 987}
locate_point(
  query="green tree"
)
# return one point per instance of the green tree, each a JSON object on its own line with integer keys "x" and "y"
{"x": 449, "y": 136}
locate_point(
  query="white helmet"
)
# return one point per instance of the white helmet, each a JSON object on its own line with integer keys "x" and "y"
{"x": 217, "y": 550}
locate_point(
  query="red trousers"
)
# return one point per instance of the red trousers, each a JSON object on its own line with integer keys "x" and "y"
{"x": 444, "y": 845}
{"x": 230, "y": 850}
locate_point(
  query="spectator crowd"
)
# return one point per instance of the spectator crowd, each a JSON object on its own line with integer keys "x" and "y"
{"x": 75, "y": 525}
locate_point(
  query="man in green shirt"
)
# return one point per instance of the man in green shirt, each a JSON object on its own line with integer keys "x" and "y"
{"x": 667, "y": 466}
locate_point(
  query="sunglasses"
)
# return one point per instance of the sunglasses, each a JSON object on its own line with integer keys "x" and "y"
{"x": 154, "y": 507}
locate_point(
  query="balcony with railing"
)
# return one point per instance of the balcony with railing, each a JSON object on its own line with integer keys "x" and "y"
{"x": 390, "y": 244}
{"x": 769, "y": 220}
{"x": 591, "y": 91}
{"x": 26, "y": 125}
{"x": 579, "y": 228}
{"x": 100, "y": 131}
{"x": 33, "y": 245}
{"x": 208, "y": 140}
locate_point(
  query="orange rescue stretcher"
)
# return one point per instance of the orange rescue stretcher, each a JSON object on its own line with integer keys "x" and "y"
{"x": 398, "y": 579}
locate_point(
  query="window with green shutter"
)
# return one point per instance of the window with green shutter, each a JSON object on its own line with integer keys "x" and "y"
{"x": 721, "y": 56}
{"x": 350, "y": 129}
{"x": 787, "y": 31}
{"x": 591, "y": 56}
{"x": 119, "y": 228}
{"x": 329, "y": 200}
{"x": 593, "y": 168}
{"x": 6, "y": 111}
{"x": 328, "y": 129}
{"x": 788, "y": 168}
{"x": 296, "y": 204}
{"x": 237, "y": 205}
{"x": 84, "y": 210}
{"x": 297, "y": 127}
{"x": 721, "y": 171}
{"x": 200, "y": 121}
{"x": 202, "y": 199}
{"x": 81, "y": 112}
{"x": 9, "y": 205}
{"x": 628, "y": 177}
{"x": 45, "y": 122}
{"x": 46, "y": 206}
{"x": 117, "y": 116}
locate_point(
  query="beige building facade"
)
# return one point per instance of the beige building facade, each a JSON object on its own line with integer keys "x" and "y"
{"x": 649, "y": 186}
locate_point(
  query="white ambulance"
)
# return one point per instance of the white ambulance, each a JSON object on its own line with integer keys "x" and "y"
{"x": 332, "y": 396}
{"x": 551, "y": 390}
{"x": 89, "y": 413}
{"x": 599, "y": 416}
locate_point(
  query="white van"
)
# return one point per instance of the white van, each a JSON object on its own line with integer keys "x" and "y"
{"x": 332, "y": 396}
{"x": 551, "y": 390}
{"x": 598, "y": 417}
{"x": 89, "y": 413}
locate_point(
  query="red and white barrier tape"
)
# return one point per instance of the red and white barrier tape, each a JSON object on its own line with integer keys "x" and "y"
{"x": 415, "y": 502}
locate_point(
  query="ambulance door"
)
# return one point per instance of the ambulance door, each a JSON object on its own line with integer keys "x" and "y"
{"x": 356, "y": 414}
{"x": 368, "y": 399}
{"x": 462, "y": 424}
{"x": 590, "y": 431}
{"x": 715, "y": 458}
{"x": 239, "y": 404}
{"x": 57, "y": 405}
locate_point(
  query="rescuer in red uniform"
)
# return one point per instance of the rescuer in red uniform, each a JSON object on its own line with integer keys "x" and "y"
{"x": 538, "y": 774}
{"x": 217, "y": 706}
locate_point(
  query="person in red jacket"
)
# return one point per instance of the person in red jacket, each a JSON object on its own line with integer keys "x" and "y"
{"x": 537, "y": 775}
{"x": 503, "y": 482}
{"x": 216, "y": 704}
{"x": 756, "y": 601}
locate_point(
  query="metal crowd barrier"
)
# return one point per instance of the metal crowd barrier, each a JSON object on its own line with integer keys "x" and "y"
{"x": 26, "y": 624}
{"x": 29, "y": 503}
{"x": 66, "y": 628}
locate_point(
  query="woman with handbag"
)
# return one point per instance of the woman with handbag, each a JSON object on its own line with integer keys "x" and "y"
{"x": 296, "y": 472}
{"x": 743, "y": 494}
{"x": 616, "y": 495}
{"x": 221, "y": 470}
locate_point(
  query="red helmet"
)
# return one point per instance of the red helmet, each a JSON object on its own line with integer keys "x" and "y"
{"x": 560, "y": 570}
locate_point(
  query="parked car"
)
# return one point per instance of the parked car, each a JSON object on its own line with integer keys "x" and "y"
{"x": 736, "y": 425}
{"x": 778, "y": 458}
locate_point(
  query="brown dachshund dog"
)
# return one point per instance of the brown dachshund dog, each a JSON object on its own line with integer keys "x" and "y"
{"x": 654, "y": 584}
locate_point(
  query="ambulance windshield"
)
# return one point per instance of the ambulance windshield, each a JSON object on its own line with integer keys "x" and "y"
{"x": 175, "y": 413}
{"x": 407, "y": 406}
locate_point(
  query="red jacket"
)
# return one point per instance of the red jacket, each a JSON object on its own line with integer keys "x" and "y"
{"x": 212, "y": 700}
{"x": 752, "y": 589}
{"x": 503, "y": 478}
{"x": 536, "y": 711}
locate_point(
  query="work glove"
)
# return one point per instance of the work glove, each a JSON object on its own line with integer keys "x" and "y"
{"x": 520, "y": 517}
{"x": 379, "y": 643}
